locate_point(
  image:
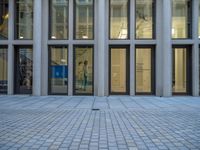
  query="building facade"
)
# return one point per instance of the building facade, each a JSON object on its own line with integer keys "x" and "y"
{"x": 100, "y": 47}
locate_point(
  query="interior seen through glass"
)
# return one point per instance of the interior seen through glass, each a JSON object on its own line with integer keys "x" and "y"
{"x": 3, "y": 70}
{"x": 59, "y": 70}
{"x": 83, "y": 70}
{"x": 118, "y": 70}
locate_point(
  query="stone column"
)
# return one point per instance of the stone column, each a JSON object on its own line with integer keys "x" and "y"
{"x": 195, "y": 50}
{"x": 10, "y": 48}
{"x": 101, "y": 46}
{"x": 37, "y": 47}
{"x": 167, "y": 49}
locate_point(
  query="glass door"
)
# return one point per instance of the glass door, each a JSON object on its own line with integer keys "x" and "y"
{"x": 182, "y": 71}
{"x": 23, "y": 70}
{"x": 119, "y": 71}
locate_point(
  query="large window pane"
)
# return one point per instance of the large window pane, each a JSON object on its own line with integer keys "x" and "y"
{"x": 118, "y": 71}
{"x": 181, "y": 18}
{"x": 144, "y": 19}
{"x": 182, "y": 69}
{"x": 58, "y": 77}
{"x": 119, "y": 19}
{"x": 144, "y": 70}
{"x": 24, "y": 19}
{"x": 3, "y": 70}
{"x": 83, "y": 66}
{"x": 3, "y": 19}
{"x": 59, "y": 19}
{"x": 84, "y": 19}
{"x": 23, "y": 70}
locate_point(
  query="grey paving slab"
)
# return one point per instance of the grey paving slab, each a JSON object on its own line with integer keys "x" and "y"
{"x": 122, "y": 122}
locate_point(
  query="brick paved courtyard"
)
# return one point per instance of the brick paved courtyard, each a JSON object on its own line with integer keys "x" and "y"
{"x": 99, "y": 123}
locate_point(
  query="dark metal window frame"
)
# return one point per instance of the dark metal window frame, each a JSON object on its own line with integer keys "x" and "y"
{"x": 16, "y": 20}
{"x": 5, "y": 47}
{"x": 127, "y": 47}
{"x": 189, "y": 22}
{"x": 74, "y": 22}
{"x": 74, "y": 69}
{"x": 49, "y": 69}
{"x": 50, "y": 24}
{"x": 153, "y": 22}
{"x": 128, "y": 23}
{"x": 188, "y": 68}
{"x": 153, "y": 71}
{"x": 16, "y": 50}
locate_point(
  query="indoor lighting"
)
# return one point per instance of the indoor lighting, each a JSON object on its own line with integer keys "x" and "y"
{"x": 53, "y": 37}
{"x": 21, "y": 37}
{"x": 85, "y": 37}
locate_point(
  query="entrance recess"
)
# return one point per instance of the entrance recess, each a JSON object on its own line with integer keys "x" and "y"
{"x": 119, "y": 71}
{"x": 23, "y": 70}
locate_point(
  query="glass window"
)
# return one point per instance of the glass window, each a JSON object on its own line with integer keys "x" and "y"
{"x": 119, "y": 19}
{"x": 58, "y": 70}
{"x": 24, "y": 19}
{"x": 59, "y": 19}
{"x": 144, "y": 70}
{"x": 118, "y": 70}
{"x": 144, "y": 19}
{"x": 84, "y": 19}
{"x": 23, "y": 70}
{"x": 182, "y": 68}
{"x": 83, "y": 66}
{"x": 181, "y": 18}
{"x": 4, "y": 19}
{"x": 3, "y": 70}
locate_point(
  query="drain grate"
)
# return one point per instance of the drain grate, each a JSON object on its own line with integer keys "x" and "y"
{"x": 95, "y": 109}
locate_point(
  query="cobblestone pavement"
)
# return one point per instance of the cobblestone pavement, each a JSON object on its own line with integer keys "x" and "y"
{"x": 99, "y": 123}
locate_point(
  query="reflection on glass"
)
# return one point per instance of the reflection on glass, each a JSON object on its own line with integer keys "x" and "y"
{"x": 58, "y": 70}
{"x": 180, "y": 70}
{"x": 180, "y": 18}
{"x": 4, "y": 19}
{"x": 24, "y": 20}
{"x": 24, "y": 71}
{"x": 118, "y": 70}
{"x": 143, "y": 70}
{"x": 118, "y": 19}
{"x": 83, "y": 70}
{"x": 59, "y": 19}
{"x": 144, "y": 19}
{"x": 3, "y": 70}
{"x": 84, "y": 19}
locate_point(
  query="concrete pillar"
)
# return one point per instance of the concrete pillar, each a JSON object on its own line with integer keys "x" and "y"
{"x": 158, "y": 52}
{"x": 195, "y": 50}
{"x": 167, "y": 48}
{"x": 37, "y": 47}
{"x": 101, "y": 46}
{"x": 10, "y": 48}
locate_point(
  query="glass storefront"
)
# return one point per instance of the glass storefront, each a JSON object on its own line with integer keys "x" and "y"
{"x": 119, "y": 70}
{"x": 23, "y": 70}
{"x": 182, "y": 70}
{"x": 119, "y": 19}
{"x": 24, "y": 19}
{"x": 58, "y": 70}
{"x": 144, "y": 70}
{"x": 84, "y": 18}
{"x": 59, "y": 19}
{"x": 83, "y": 70}
{"x": 4, "y": 19}
{"x": 3, "y": 69}
{"x": 181, "y": 18}
{"x": 144, "y": 27}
